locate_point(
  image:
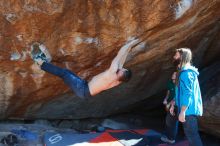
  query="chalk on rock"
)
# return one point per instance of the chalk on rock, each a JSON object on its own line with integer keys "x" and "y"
{"x": 15, "y": 56}
{"x": 182, "y": 7}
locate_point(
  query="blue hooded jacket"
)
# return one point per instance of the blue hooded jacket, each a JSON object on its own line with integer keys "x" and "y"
{"x": 188, "y": 91}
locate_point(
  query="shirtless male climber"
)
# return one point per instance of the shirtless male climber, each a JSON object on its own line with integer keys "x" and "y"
{"x": 111, "y": 77}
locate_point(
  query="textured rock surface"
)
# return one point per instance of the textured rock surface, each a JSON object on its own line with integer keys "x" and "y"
{"x": 84, "y": 36}
{"x": 210, "y": 121}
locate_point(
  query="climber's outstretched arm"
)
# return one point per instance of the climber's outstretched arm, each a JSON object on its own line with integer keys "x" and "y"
{"x": 120, "y": 59}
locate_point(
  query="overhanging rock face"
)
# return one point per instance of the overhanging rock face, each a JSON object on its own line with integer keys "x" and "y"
{"x": 84, "y": 36}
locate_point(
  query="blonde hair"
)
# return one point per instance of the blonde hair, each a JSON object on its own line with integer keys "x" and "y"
{"x": 185, "y": 56}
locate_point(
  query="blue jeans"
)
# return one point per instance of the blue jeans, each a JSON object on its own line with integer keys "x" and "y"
{"x": 171, "y": 126}
{"x": 78, "y": 85}
{"x": 191, "y": 130}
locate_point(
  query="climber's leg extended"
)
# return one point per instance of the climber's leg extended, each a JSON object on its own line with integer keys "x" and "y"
{"x": 78, "y": 85}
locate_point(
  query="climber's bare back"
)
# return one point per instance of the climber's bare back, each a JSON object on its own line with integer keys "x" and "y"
{"x": 110, "y": 77}
{"x": 103, "y": 81}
